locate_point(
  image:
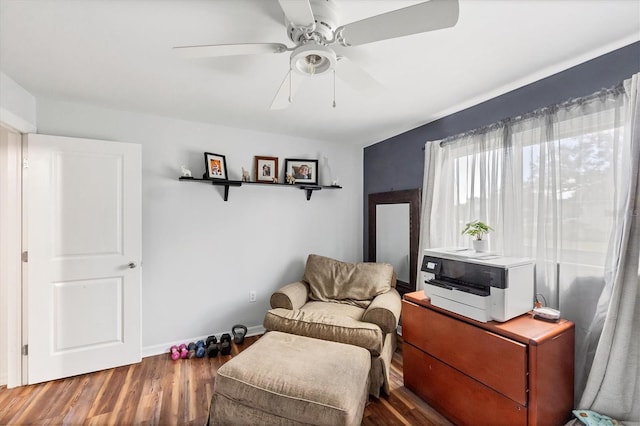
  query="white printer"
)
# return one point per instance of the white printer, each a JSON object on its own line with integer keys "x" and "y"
{"x": 481, "y": 286}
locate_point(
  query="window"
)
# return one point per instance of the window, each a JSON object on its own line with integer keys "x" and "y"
{"x": 543, "y": 182}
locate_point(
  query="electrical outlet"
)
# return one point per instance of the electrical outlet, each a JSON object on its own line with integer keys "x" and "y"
{"x": 252, "y": 296}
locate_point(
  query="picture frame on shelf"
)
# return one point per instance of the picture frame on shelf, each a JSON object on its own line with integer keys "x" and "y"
{"x": 266, "y": 169}
{"x": 304, "y": 171}
{"x": 215, "y": 166}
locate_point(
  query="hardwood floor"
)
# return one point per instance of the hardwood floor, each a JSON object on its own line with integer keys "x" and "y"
{"x": 159, "y": 391}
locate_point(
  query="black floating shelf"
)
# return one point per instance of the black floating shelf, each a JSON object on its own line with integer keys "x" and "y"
{"x": 227, "y": 183}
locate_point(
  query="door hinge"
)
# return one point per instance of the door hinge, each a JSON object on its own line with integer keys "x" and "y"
{"x": 25, "y": 256}
{"x": 25, "y": 163}
{"x": 25, "y": 350}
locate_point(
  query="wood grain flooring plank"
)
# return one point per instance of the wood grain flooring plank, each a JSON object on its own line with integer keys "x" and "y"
{"x": 39, "y": 400}
{"x": 129, "y": 396}
{"x": 71, "y": 388}
{"x": 148, "y": 409}
{"x": 12, "y": 403}
{"x": 171, "y": 392}
{"x": 376, "y": 414}
{"x": 160, "y": 391}
{"x": 80, "y": 407}
{"x": 97, "y": 405}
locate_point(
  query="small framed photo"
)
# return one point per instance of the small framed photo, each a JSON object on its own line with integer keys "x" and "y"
{"x": 303, "y": 171}
{"x": 215, "y": 166}
{"x": 266, "y": 169}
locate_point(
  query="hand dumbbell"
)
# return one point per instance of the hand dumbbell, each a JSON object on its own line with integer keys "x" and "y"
{"x": 225, "y": 344}
{"x": 200, "y": 351}
{"x": 175, "y": 353}
{"x": 192, "y": 350}
{"x": 212, "y": 346}
{"x": 184, "y": 353}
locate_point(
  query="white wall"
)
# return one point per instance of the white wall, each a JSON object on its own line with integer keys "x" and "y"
{"x": 201, "y": 255}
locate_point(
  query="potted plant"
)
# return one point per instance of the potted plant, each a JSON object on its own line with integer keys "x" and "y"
{"x": 478, "y": 230}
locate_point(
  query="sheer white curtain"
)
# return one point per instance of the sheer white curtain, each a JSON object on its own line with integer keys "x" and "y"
{"x": 546, "y": 182}
{"x": 613, "y": 384}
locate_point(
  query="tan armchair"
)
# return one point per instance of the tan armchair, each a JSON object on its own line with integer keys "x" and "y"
{"x": 352, "y": 303}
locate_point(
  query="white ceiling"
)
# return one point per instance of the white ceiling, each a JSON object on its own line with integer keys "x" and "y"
{"x": 117, "y": 54}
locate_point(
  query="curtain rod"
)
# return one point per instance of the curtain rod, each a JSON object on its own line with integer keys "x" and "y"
{"x": 573, "y": 101}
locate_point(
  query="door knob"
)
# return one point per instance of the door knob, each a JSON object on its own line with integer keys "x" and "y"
{"x": 132, "y": 265}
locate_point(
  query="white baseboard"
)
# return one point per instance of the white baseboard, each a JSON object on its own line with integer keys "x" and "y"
{"x": 164, "y": 347}
{"x": 3, "y": 379}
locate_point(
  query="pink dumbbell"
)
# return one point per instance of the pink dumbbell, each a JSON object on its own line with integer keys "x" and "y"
{"x": 175, "y": 354}
{"x": 184, "y": 352}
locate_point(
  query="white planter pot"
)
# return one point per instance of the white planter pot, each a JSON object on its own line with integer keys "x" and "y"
{"x": 481, "y": 246}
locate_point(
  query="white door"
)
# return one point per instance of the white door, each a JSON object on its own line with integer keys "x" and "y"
{"x": 82, "y": 227}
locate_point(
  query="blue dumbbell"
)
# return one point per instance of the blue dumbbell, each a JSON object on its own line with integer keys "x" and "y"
{"x": 200, "y": 350}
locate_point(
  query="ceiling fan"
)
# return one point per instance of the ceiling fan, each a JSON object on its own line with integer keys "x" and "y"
{"x": 312, "y": 25}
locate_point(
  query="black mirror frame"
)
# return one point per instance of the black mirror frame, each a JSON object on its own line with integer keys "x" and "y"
{"x": 412, "y": 197}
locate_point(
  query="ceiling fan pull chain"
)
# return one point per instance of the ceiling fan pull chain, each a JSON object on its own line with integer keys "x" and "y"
{"x": 290, "y": 77}
{"x": 334, "y": 87}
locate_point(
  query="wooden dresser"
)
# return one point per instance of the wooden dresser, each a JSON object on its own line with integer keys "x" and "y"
{"x": 519, "y": 372}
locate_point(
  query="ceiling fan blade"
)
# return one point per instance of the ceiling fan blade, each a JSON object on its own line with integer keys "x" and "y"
{"x": 288, "y": 87}
{"x": 428, "y": 16}
{"x": 298, "y": 12}
{"x": 215, "y": 50}
{"x": 352, "y": 74}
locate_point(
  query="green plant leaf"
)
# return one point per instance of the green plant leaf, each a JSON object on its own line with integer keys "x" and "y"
{"x": 476, "y": 229}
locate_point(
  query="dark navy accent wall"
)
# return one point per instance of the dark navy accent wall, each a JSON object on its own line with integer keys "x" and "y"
{"x": 397, "y": 163}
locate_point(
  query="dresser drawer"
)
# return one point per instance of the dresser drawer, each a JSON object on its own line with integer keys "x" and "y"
{"x": 478, "y": 353}
{"x": 460, "y": 398}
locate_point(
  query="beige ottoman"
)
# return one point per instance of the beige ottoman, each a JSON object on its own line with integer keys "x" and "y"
{"x": 285, "y": 379}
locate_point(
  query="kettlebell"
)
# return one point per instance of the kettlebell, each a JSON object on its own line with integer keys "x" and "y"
{"x": 239, "y": 331}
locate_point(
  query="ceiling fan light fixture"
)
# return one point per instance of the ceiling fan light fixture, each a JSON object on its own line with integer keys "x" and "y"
{"x": 313, "y": 59}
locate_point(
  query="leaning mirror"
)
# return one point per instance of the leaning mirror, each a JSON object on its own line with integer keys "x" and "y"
{"x": 394, "y": 223}
{"x": 392, "y": 237}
